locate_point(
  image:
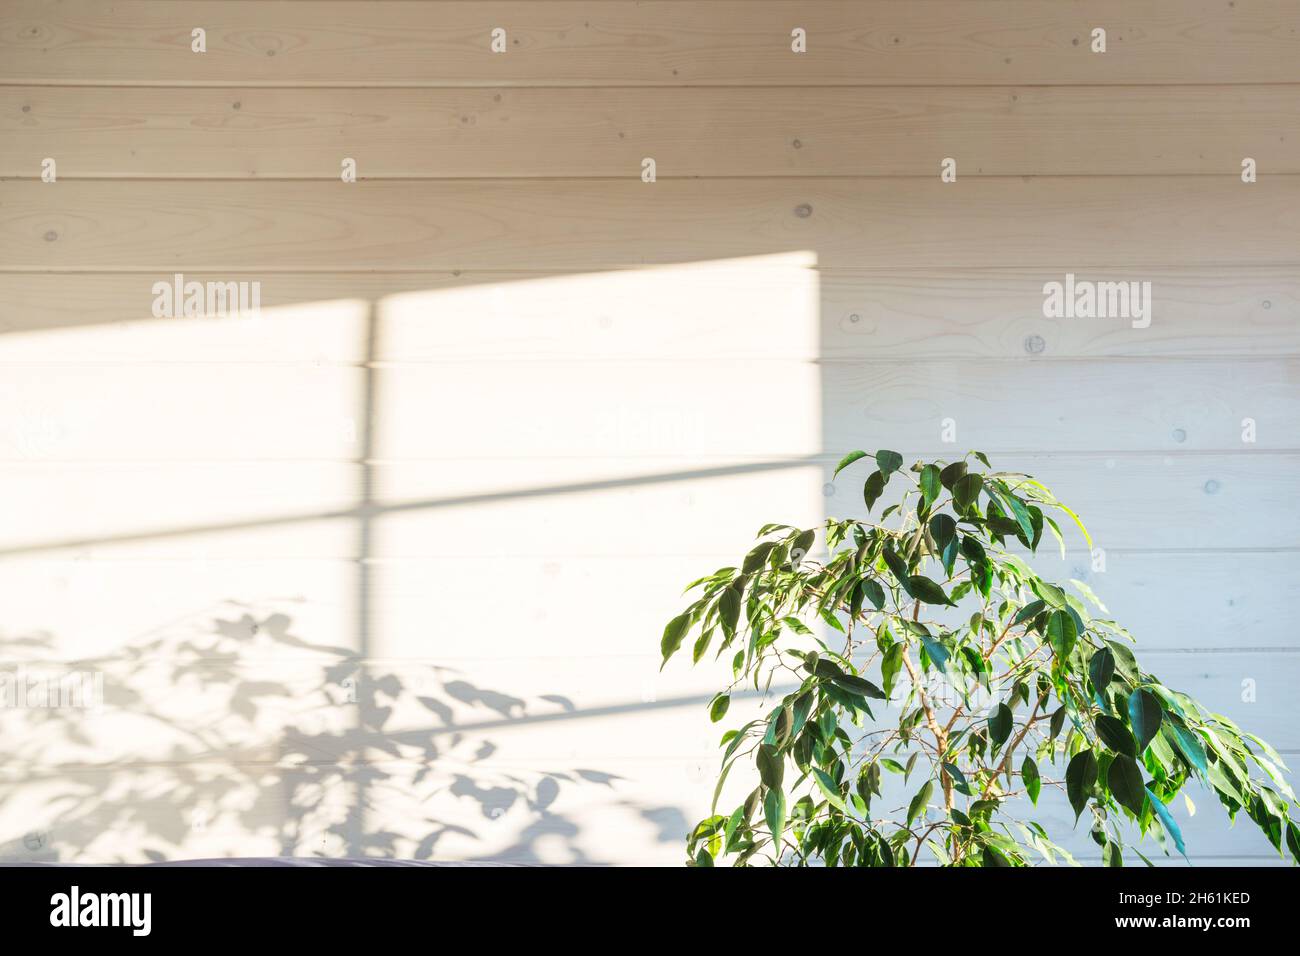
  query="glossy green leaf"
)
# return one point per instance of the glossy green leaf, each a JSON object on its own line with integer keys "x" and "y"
{"x": 930, "y": 485}
{"x": 860, "y": 685}
{"x": 999, "y": 723}
{"x": 847, "y": 460}
{"x": 959, "y": 781}
{"x": 771, "y": 766}
{"x": 966, "y": 491}
{"x": 873, "y": 488}
{"x": 1188, "y": 744}
{"x": 949, "y": 474}
{"x": 924, "y": 589}
{"x": 872, "y": 590}
{"x": 1125, "y": 781}
{"x": 1115, "y": 735}
{"x": 1101, "y": 669}
{"x": 774, "y": 814}
{"x": 890, "y": 664}
{"x": 1080, "y": 778}
{"x": 1144, "y": 715}
{"x": 829, "y": 789}
{"x": 917, "y": 806}
{"x": 1061, "y": 634}
{"x": 1033, "y": 782}
{"x": 1167, "y": 819}
{"x": 674, "y": 633}
{"x": 942, "y": 529}
{"x": 888, "y": 462}
{"x": 718, "y": 709}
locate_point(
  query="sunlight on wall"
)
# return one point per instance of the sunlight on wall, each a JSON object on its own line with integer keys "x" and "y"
{"x": 386, "y": 576}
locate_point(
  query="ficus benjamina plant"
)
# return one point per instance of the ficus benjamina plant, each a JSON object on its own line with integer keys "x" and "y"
{"x": 914, "y": 690}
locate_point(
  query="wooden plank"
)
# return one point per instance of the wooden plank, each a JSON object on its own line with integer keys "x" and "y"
{"x": 339, "y": 708}
{"x": 1065, "y": 225}
{"x": 640, "y": 409}
{"x": 1240, "y": 311}
{"x": 1066, "y": 405}
{"x": 234, "y": 133}
{"x": 567, "y": 506}
{"x": 277, "y": 608}
{"x": 773, "y": 308}
{"x": 886, "y": 42}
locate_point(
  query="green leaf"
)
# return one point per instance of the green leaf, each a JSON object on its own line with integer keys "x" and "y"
{"x": 847, "y": 460}
{"x": 729, "y": 610}
{"x": 1101, "y": 669}
{"x": 774, "y": 813}
{"x": 930, "y": 487}
{"x": 1015, "y": 506}
{"x": 1056, "y": 723}
{"x": 959, "y": 781}
{"x": 937, "y": 652}
{"x": 860, "y": 685}
{"x": 890, "y": 664}
{"x": 801, "y": 545}
{"x": 1051, "y": 594}
{"x": 915, "y": 808}
{"x": 829, "y": 788}
{"x": 949, "y": 475}
{"x": 1030, "y": 610}
{"x": 757, "y": 557}
{"x": 1080, "y": 778}
{"x": 999, "y": 725}
{"x": 888, "y": 462}
{"x": 674, "y": 633}
{"x": 873, "y": 488}
{"x": 924, "y": 589}
{"x": 1111, "y": 855}
{"x": 1167, "y": 818}
{"x": 1033, "y": 782}
{"x": 872, "y": 590}
{"x": 1125, "y": 781}
{"x": 1115, "y": 735}
{"x": 718, "y": 709}
{"x": 966, "y": 491}
{"x": 896, "y": 565}
{"x": 703, "y": 858}
{"x": 1144, "y": 714}
{"x": 1189, "y": 745}
{"x": 942, "y": 528}
{"x": 1061, "y": 634}
{"x": 771, "y": 766}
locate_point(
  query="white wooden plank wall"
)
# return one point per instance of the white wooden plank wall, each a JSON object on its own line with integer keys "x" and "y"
{"x": 383, "y": 570}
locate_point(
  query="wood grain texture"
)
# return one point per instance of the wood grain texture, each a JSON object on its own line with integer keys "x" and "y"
{"x": 885, "y": 42}
{"x": 1057, "y": 224}
{"x": 774, "y": 308}
{"x": 259, "y": 133}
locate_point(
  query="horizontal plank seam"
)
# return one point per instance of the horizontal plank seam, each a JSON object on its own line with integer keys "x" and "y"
{"x": 636, "y": 179}
{"x": 21, "y": 82}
